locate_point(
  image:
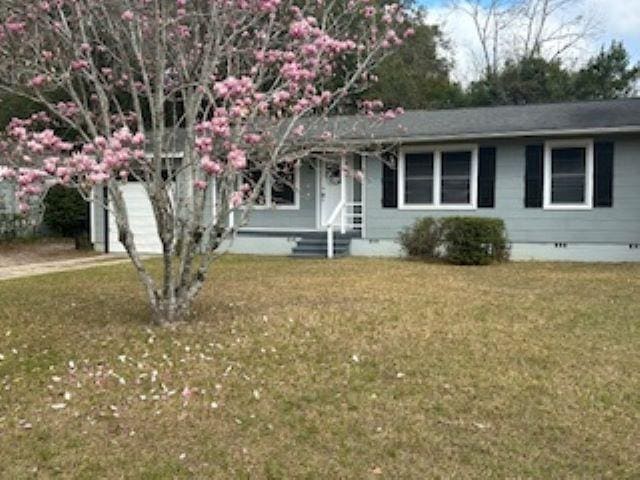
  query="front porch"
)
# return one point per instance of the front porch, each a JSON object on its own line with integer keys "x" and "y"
{"x": 326, "y": 212}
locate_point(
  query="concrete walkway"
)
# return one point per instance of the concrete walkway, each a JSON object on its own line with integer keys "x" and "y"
{"x": 29, "y": 270}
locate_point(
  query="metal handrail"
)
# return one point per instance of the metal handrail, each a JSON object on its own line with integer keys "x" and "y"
{"x": 339, "y": 210}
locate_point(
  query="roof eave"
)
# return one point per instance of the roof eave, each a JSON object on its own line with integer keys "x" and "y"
{"x": 496, "y": 135}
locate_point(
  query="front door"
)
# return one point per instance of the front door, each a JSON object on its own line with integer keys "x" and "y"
{"x": 330, "y": 189}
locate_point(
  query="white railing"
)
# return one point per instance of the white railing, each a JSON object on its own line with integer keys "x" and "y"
{"x": 340, "y": 210}
{"x": 355, "y": 215}
{"x": 351, "y": 213}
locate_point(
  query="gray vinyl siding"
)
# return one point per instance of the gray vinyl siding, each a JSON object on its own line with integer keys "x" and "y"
{"x": 98, "y": 218}
{"x": 7, "y": 198}
{"x": 619, "y": 224}
{"x": 301, "y": 218}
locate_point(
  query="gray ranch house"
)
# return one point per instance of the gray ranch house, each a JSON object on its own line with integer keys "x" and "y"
{"x": 564, "y": 177}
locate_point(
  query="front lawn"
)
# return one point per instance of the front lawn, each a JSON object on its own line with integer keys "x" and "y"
{"x": 354, "y": 368}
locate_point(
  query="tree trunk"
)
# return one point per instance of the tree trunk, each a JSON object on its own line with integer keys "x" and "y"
{"x": 167, "y": 311}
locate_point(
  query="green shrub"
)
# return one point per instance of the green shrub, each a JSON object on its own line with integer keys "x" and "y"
{"x": 459, "y": 240}
{"x": 422, "y": 239}
{"x": 474, "y": 240}
{"x": 66, "y": 212}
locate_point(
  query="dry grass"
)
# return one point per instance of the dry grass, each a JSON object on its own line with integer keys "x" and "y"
{"x": 346, "y": 369}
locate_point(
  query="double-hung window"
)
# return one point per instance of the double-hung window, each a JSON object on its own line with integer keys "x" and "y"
{"x": 568, "y": 175}
{"x": 456, "y": 178}
{"x": 418, "y": 170}
{"x": 438, "y": 178}
{"x": 284, "y": 188}
{"x": 280, "y": 190}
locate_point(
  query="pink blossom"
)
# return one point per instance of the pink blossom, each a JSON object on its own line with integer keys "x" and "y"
{"x": 15, "y": 27}
{"x": 252, "y": 138}
{"x": 281, "y": 97}
{"x": 98, "y": 177}
{"x": 186, "y": 393}
{"x": 79, "y": 64}
{"x": 184, "y": 31}
{"x": 100, "y": 142}
{"x": 209, "y": 166}
{"x": 89, "y": 149}
{"x": 38, "y": 81}
{"x": 236, "y": 199}
{"x": 295, "y": 72}
{"x": 18, "y": 132}
{"x": 200, "y": 185}
{"x": 392, "y": 114}
{"x": 123, "y": 135}
{"x": 269, "y": 6}
{"x": 138, "y": 139}
{"x": 232, "y": 87}
{"x": 204, "y": 144}
{"x": 220, "y": 127}
{"x": 237, "y": 158}
{"x": 35, "y": 147}
{"x": 127, "y": 15}
{"x": 6, "y": 173}
{"x": 302, "y": 28}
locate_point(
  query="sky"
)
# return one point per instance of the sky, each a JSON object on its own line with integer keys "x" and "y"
{"x": 616, "y": 20}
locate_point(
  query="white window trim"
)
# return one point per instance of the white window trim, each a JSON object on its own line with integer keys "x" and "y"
{"x": 437, "y": 151}
{"x": 268, "y": 203}
{"x": 587, "y": 144}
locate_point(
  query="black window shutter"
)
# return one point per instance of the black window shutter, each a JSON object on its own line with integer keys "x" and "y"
{"x": 486, "y": 177}
{"x": 603, "y": 174}
{"x": 389, "y": 184}
{"x": 533, "y": 177}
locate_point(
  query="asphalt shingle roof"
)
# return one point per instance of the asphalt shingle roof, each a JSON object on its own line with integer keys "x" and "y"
{"x": 504, "y": 121}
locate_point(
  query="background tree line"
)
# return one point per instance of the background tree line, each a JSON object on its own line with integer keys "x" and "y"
{"x": 418, "y": 77}
{"x": 522, "y": 45}
{"x": 520, "y": 57}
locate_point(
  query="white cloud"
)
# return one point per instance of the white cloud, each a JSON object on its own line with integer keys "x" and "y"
{"x": 616, "y": 20}
{"x": 619, "y": 20}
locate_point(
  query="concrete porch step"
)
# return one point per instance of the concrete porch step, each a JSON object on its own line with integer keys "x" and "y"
{"x": 317, "y": 255}
{"x": 314, "y": 245}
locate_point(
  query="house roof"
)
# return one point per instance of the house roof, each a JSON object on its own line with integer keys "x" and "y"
{"x": 607, "y": 116}
{"x": 460, "y": 124}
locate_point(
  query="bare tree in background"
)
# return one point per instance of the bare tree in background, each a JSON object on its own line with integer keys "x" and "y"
{"x": 514, "y": 30}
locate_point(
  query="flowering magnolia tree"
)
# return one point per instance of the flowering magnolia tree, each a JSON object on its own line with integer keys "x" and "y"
{"x": 182, "y": 91}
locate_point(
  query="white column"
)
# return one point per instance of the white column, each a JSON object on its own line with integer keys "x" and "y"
{"x": 343, "y": 194}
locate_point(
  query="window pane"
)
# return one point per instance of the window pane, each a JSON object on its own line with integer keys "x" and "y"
{"x": 418, "y": 186}
{"x": 568, "y": 175}
{"x": 283, "y": 190}
{"x": 252, "y": 177}
{"x": 456, "y": 177}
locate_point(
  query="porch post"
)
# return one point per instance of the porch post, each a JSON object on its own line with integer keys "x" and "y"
{"x": 343, "y": 193}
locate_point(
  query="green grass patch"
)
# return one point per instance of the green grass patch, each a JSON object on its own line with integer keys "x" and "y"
{"x": 352, "y": 368}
